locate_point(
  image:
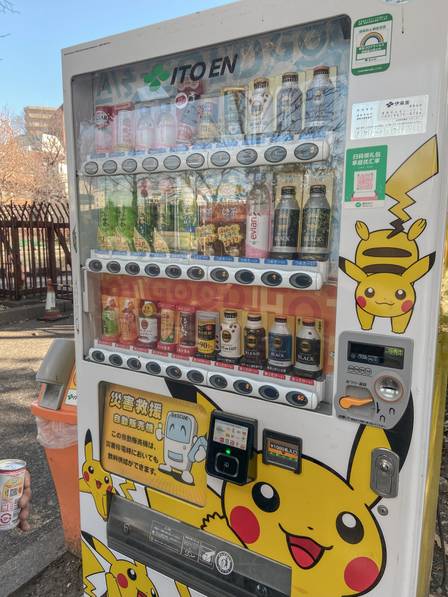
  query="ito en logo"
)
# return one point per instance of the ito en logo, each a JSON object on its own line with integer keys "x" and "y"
{"x": 155, "y": 78}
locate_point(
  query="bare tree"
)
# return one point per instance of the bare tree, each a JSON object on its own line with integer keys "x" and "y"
{"x": 27, "y": 171}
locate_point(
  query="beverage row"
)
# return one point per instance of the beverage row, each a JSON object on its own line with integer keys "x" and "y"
{"x": 167, "y": 217}
{"x": 234, "y": 336}
{"x": 191, "y": 117}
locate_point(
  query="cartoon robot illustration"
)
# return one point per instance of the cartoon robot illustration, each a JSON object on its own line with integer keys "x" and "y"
{"x": 181, "y": 446}
{"x": 97, "y": 481}
{"x": 124, "y": 578}
{"x": 387, "y": 261}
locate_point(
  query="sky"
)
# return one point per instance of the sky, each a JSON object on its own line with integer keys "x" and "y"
{"x": 30, "y": 63}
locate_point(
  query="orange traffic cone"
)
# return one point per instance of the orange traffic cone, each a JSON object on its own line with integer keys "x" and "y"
{"x": 52, "y": 313}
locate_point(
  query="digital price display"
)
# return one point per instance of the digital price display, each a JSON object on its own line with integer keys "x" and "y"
{"x": 230, "y": 434}
{"x": 373, "y": 354}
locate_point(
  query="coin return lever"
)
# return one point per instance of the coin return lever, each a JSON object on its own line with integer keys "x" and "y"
{"x": 374, "y": 378}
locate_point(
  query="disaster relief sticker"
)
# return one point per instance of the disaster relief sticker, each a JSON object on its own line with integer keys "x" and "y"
{"x": 155, "y": 440}
{"x": 391, "y": 117}
{"x": 365, "y": 176}
{"x": 371, "y": 44}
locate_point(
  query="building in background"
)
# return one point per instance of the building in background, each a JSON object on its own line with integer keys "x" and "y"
{"x": 42, "y": 120}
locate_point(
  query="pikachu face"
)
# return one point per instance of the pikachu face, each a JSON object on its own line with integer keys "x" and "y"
{"x": 95, "y": 479}
{"x": 124, "y": 578}
{"x": 316, "y": 522}
{"x": 386, "y": 268}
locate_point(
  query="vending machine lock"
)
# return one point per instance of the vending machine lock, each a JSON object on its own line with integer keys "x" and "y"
{"x": 231, "y": 447}
{"x": 384, "y": 472}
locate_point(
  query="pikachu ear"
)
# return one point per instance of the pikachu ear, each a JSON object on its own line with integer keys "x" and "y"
{"x": 358, "y": 475}
{"x": 88, "y": 446}
{"x": 418, "y": 269}
{"x": 99, "y": 547}
{"x": 351, "y": 269}
{"x": 416, "y": 229}
{"x": 362, "y": 230}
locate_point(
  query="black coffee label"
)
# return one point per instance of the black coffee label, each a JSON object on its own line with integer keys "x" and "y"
{"x": 286, "y": 227}
{"x": 316, "y": 227}
{"x": 308, "y": 351}
{"x": 254, "y": 346}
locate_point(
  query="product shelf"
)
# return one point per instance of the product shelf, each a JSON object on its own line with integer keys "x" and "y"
{"x": 220, "y": 157}
{"x": 273, "y": 273}
{"x": 280, "y": 388}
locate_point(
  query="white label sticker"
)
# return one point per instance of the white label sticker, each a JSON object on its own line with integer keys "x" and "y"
{"x": 72, "y": 398}
{"x": 390, "y": 117}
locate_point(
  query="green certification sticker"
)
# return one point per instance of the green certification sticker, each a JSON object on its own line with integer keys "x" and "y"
{"x": 365, "y": 176}
{"x": 371, "y": 44}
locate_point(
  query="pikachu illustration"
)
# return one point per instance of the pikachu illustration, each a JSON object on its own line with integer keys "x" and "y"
{"x": 124, "y": 578}
{"x": 387, "y": 261}
{"x": 95, "y": 479}
{"x": 318, "y": 523}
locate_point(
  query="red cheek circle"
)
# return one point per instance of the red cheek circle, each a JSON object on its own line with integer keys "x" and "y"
{"x": 245, "y": 524}
{"x": 360, "y": 574}
{"x": 110, "y": 488}
{"x": 86, "y": 476}
{"x": 122, "y": 580}
{"x": 361, "y": 301}
{"x": 407, "y": 306}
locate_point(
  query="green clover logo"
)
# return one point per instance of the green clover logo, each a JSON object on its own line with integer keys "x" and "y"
{"x": 156, "y": 76}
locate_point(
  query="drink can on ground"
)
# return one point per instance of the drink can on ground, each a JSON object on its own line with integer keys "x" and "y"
{"x": 12, "y": 477}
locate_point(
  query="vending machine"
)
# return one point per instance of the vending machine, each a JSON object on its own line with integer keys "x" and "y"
{"x": 258, "y": 199}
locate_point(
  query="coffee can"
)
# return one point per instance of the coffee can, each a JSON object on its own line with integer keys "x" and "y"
{"x": 12, "y": 477}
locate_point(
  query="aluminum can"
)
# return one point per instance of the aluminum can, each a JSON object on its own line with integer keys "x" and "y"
{"x": 167, "y": 340}
{"x": 104, "y": 129}
{"x": 208, "y": 119}
{"x": 186, "y": 341}
{"x": 124, "y": 127}
{"x": 12, "y": 477}
{"x": 234, "y": 110}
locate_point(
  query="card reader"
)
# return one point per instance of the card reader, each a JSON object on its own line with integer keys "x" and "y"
{"x": 231, "y": 447}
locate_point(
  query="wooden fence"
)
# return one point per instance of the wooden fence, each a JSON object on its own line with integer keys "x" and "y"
{"x": 34, "y": 246}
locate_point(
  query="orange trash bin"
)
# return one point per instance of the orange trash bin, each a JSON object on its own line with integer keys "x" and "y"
{"x": 57, "y": 432}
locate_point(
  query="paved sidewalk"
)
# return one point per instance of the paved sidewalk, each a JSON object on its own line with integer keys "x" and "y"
{"x": 22, "y": 347}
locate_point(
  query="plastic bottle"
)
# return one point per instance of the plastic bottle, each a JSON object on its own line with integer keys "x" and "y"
{"x": 166, "y": 128}
{"x": 258, "y": 219}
